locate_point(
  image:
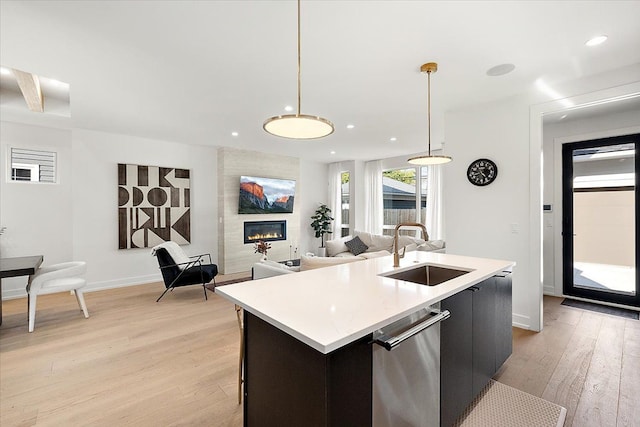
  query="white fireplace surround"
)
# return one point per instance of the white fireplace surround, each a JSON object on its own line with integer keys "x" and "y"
{"x": 234, "y": 255}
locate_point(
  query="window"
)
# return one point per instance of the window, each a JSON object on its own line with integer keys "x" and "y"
{"x": 400, "y": 203}
{"x": 423, "y": 195}
{"x": 25, "y": 172}
{"x": 33, "y": 165}
{"x": 344, "y": 197}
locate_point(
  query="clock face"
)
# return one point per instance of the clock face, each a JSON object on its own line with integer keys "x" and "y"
{"x": 482, "y": 172}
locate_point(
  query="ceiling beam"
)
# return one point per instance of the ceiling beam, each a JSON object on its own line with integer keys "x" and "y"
{"x": 30, "y": 87}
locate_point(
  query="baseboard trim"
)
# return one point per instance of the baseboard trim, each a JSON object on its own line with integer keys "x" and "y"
{"x": 95, "y": 286}
{"x": 120, "y": 283}
{"x": 521, "y": 321}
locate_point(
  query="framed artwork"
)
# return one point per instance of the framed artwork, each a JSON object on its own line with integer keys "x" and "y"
{"x": 154, "y": 206}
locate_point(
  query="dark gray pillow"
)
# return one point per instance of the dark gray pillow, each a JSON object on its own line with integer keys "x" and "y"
{"x": 356, "y": 246}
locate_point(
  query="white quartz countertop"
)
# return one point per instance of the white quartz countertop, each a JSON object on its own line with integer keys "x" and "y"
{"x": 330, "y": 307}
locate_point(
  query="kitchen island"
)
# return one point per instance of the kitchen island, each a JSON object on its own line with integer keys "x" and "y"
{"x": 308, "y": 352}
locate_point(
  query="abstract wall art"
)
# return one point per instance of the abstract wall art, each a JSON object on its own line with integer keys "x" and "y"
{"x": 153, "y": 206}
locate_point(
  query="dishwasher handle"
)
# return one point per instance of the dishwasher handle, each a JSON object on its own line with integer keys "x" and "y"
{"x": 393, "y": 342}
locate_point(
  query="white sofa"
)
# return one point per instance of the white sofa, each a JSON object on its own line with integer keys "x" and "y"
{"x": 378, "y": 242}
{"x": 267, "y": 268}
{"x": 339, "y": 253}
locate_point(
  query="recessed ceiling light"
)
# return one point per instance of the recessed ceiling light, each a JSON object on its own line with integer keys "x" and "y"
{"x": 288, "y": 108}
{"x": 4, "y": 71}
{"x": 500, "y": 70}
{"x": 333, "y": 152}
{"x": 564, "y": 116}
{"x": 595, "y": 41}
{"x": 350, "y": 126}
{"x": 393, "y": 139}
{"x": 234, "y": 133}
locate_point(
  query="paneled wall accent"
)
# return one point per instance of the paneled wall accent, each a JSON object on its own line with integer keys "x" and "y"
{"x": 233, "y": 254}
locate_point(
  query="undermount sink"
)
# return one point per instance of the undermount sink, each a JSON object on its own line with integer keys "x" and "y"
{"x": 428, "y": 275}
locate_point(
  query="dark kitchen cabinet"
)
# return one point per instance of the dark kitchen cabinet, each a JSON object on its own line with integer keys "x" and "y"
{"x": 455, "y": 357}
{"x": 504, "y": 343}
{"x": 475, "y": 342}
{"x": 288, "y": 383}
{"x": 484, "y": 333}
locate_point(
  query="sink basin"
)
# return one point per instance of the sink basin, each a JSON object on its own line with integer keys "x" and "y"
{"x": 428, "y": 275}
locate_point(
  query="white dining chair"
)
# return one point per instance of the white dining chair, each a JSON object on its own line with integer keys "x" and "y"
{"x": 63, "y": 277}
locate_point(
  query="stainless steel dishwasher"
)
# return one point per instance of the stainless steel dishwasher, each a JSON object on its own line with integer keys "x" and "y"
{"x": 406, "y": 371}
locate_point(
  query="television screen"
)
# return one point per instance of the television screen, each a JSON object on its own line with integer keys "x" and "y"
{"x": 266, "y": 195}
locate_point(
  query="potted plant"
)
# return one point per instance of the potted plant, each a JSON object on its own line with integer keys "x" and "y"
{"x": 261, "y": 247}
{"x": 321, "y": 225}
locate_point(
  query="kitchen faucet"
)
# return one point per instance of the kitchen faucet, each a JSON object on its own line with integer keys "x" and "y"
{"x": 396, "y": 251}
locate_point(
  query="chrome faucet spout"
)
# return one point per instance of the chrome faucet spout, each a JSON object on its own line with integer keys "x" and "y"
{"x": 396, "y": 251}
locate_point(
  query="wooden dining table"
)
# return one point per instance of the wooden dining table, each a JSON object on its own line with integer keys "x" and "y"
{"x": 18, "y": 266}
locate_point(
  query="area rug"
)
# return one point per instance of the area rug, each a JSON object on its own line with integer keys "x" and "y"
{"x": 226, "y": 282}
{"x": 599, "y": 308}
{"x": 499, "y": 405}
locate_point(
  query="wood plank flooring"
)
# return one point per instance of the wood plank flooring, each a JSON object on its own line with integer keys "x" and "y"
{"x": 132, "y": 362}
{"x": 587, "y": 362}
{"x": 141, "y": 363}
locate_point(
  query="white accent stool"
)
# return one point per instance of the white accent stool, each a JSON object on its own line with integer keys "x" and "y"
{"x": 66, "y": 276}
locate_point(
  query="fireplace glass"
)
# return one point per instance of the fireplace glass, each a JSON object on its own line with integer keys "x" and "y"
{"x": 265, "y": 230}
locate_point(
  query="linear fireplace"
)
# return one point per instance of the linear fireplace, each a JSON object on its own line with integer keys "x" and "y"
{"x": 265, "y": 230}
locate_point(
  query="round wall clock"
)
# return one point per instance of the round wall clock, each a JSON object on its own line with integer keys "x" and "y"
{"x": 482, "y": 172}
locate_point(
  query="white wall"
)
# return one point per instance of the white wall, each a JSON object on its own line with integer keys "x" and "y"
{"x": 314, "y": 188}
{"x": 554, "y": 135}
{"x": 504, "y": 219}
{"x": 491, "y": 221}
{"x": 95, "y": 228}
{"x": 38, "y": 216}
{"x": 77, "y": 217}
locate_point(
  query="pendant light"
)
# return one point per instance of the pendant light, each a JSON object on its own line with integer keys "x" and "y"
{"x": 429, "y": 159}
{"x": 298, "y": 126}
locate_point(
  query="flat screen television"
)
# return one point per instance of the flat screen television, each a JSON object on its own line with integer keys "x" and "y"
{"x": 266, "y": 195}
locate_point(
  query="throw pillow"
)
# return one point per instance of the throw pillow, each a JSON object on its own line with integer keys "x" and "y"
{"x": 337, "y": 246}
{"x": 356, "y": 246}
{"x": 376, "y": 242}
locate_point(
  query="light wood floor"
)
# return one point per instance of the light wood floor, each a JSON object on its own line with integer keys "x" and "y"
{"x": 137, "y": 362}
{"x": 585, "y": 361}
{"x": 132, "y": 362}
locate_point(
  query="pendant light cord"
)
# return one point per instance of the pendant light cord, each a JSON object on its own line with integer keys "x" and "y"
{"x": 298, "y": 58}
{"x": 429, "y": 107}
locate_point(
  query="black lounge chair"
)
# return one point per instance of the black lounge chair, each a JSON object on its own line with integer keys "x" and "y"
{"x": 178, "y": 269}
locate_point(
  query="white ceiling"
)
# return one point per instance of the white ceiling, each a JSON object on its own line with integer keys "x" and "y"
{"x": 195, "y": 71}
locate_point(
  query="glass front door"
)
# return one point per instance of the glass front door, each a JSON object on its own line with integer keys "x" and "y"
{"x": 600, "y": 221}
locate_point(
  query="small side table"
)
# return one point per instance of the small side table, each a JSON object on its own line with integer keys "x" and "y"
{"x": 291, "y": 262}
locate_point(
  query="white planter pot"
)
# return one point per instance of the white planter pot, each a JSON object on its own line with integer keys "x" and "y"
{"x": 321, "y": 252}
